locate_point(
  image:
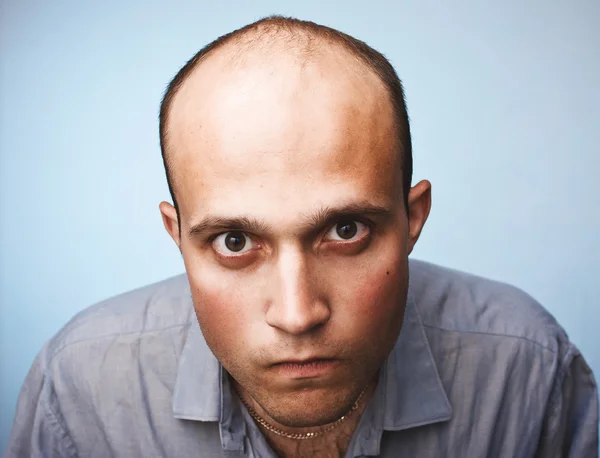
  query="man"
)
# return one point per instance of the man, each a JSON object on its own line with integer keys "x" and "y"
{"x": 296, "y": 331}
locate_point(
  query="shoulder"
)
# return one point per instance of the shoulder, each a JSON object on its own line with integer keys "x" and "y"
{"x": 113, "y": 364}
{"x": 454, "y": 301}
{"x": 135, "y": 315}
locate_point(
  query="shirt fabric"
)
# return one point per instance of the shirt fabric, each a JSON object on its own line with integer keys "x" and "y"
{"x": 479, "y": 370}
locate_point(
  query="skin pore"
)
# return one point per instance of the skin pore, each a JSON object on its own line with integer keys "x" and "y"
{"x": 294, "y": 231}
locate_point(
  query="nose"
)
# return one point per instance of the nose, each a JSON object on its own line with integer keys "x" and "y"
{"x": 295, "y": 307}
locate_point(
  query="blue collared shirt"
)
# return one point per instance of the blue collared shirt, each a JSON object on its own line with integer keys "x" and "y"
{"x": 479, "y": 370}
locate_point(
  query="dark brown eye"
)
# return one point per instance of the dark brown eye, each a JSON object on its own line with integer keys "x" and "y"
{"x": 235, "y": 241}
{"x": 346, "y": 229}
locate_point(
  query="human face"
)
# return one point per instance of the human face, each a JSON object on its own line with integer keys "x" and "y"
{"x": 294, "y": 232}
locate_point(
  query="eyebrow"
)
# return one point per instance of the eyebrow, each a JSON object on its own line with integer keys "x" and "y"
{"x": 312, "y": 222}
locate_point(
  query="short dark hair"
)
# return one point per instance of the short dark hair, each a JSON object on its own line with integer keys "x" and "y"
{"x": 367, "y": 55}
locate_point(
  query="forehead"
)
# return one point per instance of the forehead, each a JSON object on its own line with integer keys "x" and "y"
{"x": 281, "y": 126}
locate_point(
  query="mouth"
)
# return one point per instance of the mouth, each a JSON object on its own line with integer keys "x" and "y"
{"x": 307, "y": 368}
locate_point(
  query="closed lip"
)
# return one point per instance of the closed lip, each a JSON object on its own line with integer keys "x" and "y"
{"x": 307, "y": 368}
{"x": 301, "y": 361}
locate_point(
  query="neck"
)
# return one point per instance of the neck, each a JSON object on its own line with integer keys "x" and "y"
{"x": 331, "y": 439}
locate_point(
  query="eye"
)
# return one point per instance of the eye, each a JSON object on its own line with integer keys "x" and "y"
{"x": 234, "y": 243}
{"x": 347, "y": 230}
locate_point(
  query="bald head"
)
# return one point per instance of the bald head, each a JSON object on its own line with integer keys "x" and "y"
{"x": 296, "y": 72}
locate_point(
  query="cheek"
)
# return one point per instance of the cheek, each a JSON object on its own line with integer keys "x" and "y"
{"x": 217, "y": 309}
{"x": 381, "y": 292}
{"x": 374, "y": 300}
{"x": 225, "y": 311}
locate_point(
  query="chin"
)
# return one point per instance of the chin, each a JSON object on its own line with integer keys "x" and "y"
{"x": 305, "y": 412}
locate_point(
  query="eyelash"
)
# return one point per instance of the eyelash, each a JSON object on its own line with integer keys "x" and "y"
{"x": 368, "y": 223}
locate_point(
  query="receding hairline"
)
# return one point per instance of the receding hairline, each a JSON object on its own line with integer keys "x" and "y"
{"x": 270, "y": 35}
{"x": 306, "y": 37}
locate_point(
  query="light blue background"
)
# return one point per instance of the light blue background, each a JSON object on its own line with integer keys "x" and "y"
{"x": 505, "y": 106}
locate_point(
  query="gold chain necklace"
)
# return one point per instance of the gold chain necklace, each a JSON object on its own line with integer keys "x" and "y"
{"x": 299, "y": 436}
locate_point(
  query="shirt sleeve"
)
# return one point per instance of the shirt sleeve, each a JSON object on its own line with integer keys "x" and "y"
{"x": 38, "y": 430}
{"x": 570, "y": 427}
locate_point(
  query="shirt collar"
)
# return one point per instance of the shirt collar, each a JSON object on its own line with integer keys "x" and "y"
{"x": 202, "y": 391}
{"x": 414, "y": 395}
{"x": 410, "y": 391}
{"x": 197, "y": 394}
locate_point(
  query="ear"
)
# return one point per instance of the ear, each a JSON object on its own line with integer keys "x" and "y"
{"x": 169, "y": 217}
{"x": 419, "y": 204}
